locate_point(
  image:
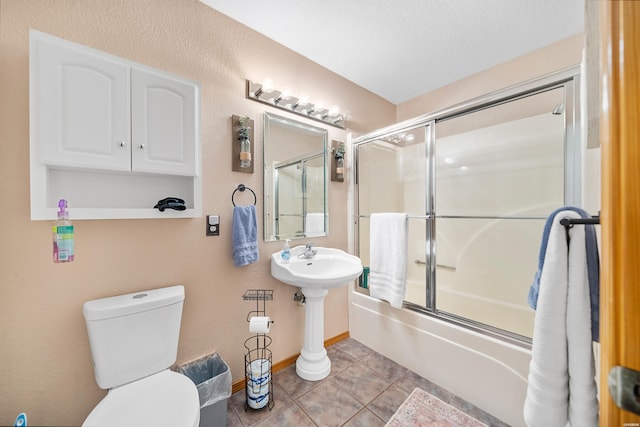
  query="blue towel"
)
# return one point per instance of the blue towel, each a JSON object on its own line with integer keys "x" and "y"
{"x": 244, "y": 235}
{"x": 593, "y": 267}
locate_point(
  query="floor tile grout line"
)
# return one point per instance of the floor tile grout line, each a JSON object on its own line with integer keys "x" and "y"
{"x": 295, "y": 402}
{"x": 364, "y": 408}
{"x": 380, "y": 394}
{"x": 408, "y": 377}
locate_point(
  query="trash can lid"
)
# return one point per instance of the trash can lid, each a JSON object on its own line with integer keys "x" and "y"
{"x": 169, "y": 399}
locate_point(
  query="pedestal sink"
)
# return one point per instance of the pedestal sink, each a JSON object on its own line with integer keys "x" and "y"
{"x": 315, "y": 274}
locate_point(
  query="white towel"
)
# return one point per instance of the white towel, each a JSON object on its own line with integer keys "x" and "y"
{"x": 561, "y": 383}
{"x": 314, "y": 225}
{"x": 388, "y": 257}
{"x": 583, "y": 400}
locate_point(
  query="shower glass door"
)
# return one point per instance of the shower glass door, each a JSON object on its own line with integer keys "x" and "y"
{"x": 392, "y": 178}
{"x": 499, "y": 172}
{"x": 477, "y": 183}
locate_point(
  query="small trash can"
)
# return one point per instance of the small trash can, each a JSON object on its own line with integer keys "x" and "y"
{"x": 212, "y": 377}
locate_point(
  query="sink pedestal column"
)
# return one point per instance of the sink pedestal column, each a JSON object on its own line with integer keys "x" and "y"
{"x": 313, "y": 363}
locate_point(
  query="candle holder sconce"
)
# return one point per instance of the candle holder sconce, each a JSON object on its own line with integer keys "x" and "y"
{"x": 243, "y": 141}
{"x": 337, "y": 161}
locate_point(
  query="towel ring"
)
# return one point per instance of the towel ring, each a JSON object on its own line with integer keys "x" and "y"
{"x": 241, "y": 188}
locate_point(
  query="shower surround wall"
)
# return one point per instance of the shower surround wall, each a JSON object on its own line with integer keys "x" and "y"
{"x": 488, "y": 372}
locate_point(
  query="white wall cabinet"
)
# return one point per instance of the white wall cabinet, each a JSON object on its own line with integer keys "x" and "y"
{"x": 163, "y": 124}
{"x": 83, "y": 105}
{"x": 109, "y": 135}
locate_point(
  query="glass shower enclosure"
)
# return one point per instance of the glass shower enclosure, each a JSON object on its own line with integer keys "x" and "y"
{"x": 477, "y": 182}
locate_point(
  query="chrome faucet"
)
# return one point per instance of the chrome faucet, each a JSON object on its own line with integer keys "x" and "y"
{"x": 309, "y": 251}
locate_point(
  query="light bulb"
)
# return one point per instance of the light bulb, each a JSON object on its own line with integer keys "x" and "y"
{"x": 267, "y": 85}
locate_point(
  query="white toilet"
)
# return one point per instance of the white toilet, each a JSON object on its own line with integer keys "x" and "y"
{"x": 134, "y": 341}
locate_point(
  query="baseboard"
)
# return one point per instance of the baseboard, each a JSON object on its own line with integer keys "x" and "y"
{"x": 291, "y": 360}
{"x": 331, "y": 341}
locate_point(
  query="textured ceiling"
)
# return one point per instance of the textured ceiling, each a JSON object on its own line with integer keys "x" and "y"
{"x": 400, "y": 49}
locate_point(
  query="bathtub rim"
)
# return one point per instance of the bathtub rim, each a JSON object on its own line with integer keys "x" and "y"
{"x": 462, "y": 322}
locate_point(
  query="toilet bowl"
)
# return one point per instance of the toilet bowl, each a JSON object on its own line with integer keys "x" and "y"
{"x": 134, "y": 341}
{"x": 164, "y": 399}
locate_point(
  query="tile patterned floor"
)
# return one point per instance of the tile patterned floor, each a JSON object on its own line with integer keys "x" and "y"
{"x": 363, "y": 389}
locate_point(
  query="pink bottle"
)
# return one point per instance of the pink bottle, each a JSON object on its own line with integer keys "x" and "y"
{"x": 63, "y": 235}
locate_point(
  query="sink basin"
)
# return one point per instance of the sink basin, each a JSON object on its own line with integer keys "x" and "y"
{"x": 328, "y": 268}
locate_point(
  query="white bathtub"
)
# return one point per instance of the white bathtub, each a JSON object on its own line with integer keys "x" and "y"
{"x": 489, "y": 373}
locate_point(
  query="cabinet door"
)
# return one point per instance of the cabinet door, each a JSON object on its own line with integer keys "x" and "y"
{"x": 83, "y": 103}
{"x": 164, "y": 124}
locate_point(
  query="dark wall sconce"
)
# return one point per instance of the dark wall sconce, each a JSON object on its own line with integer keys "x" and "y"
{"x": 242, "y": 146}
{"x": 337, "y": 161}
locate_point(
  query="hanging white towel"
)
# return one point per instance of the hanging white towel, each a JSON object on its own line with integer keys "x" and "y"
{"x": 561, "y": 383}
{"x": 388, "y": 257}
{"x": 314, "y": 225}
{"x": 583, "y": 400}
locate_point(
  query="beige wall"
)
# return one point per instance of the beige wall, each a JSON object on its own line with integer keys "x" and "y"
{"x": 562, "y": 54}
{"x": 45, "y": 367}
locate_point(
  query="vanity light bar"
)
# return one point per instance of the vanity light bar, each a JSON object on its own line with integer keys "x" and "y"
{"x": 280, "y": 99}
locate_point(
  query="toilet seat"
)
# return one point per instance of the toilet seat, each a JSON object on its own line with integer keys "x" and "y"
{"x": 165, "y": 399}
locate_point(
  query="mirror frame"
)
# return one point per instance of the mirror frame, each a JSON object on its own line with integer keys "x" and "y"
{"x": 269, "y": 193}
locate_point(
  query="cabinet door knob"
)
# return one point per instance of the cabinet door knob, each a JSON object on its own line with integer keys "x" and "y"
{"x": 141, "y": 146}
{"x": 121, "y": 143}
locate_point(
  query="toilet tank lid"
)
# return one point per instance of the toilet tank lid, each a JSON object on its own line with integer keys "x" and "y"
{"x": 136, "y": 302}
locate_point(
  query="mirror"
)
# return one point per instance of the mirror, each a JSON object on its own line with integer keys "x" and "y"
{"x": 295, "y": 179}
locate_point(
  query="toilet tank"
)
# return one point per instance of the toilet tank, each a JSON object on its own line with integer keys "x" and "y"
{"x": 135, "y": 335}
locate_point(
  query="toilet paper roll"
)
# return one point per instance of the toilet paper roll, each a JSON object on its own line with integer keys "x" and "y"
{"x": 260, "y": 368}
{"x": 260, "y": 324}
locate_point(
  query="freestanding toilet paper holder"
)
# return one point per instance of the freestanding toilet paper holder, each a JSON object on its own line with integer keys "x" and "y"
{"x": 257, "y": 359}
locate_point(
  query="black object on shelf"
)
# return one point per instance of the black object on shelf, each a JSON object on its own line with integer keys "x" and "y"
{"x": 174, "y": 203}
